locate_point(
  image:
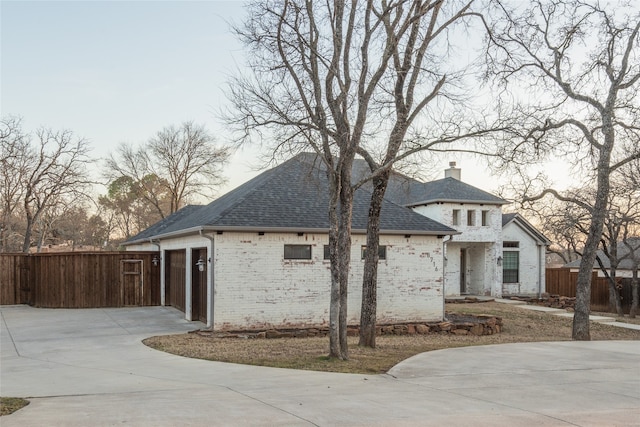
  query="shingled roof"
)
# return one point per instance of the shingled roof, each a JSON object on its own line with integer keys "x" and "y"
{"x": 167, "y": 223}
{"x": 408, "y": 192}
{"x": 290, "y": 197}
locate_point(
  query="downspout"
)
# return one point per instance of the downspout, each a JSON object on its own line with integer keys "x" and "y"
{"x": 211, "y": 288}
{"x": 444, "y": 271}
{"x": 541, "y": 251}
{"x": 162, "y": 284}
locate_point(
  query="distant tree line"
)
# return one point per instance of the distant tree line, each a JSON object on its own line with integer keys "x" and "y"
{"x": 47, "y": 193}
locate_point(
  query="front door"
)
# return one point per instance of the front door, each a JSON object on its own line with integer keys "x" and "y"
{"x": 463, "y": 271}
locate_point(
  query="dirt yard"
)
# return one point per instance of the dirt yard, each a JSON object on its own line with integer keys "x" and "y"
{"x": 310, "y": 353}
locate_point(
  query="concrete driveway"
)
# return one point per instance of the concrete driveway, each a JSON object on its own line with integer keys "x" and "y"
{"x": 88, "y": 367}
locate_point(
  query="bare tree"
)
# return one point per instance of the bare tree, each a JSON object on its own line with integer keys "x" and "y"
{"x": 429, "y": 109}
{"x": 172, "y": 167}
{"x": 37, "y": 175}
{"x": 316, "y": 69}
{"x": 629, "y": 180}
{"x": 621, "y": 219}
{"x": 57, "y": 169}
{"x": 14, "y": 165}
{"x": 581, "y": 61}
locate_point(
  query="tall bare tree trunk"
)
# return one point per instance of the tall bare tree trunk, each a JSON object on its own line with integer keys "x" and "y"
{"x": 344, "y": 246}
{"x": 581, "y": 330}
{"x": 340, "y": 214}
{"x": 368, "y": 310}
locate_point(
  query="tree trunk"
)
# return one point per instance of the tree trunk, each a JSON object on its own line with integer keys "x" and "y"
{"x": 344, "y": 249}
{"x": 370, "y": 278}
{"x": 27, "y": 234}
{"x": 334, "y": 305}
{"x": 583, "y": 292}
{"x": 615, "y": 302}
{"x": 340, "y": 213}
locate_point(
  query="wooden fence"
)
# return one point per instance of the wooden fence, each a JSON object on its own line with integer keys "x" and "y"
{"x": 80, "y": 279}
{"x": 561, "y": 281}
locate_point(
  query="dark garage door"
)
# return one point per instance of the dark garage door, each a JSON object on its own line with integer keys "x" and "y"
{"x": 175, "y": 282}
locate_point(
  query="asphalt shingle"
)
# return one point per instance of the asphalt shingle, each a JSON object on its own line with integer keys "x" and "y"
{"x": 292, "y": 196}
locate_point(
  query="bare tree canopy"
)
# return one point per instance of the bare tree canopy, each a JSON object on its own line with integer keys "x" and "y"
{"x": 577, "y": 64}
{"x": 175, "y": 165}
{"x": 37, "y": 176}
{"x": 346, "y": 78}
{"x": 340, "y": 79}
{"x": 315, "y": 70}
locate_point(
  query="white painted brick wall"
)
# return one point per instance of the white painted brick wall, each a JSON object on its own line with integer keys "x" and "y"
{"x": 531, "y": 276}
{"x": 256, "y": 287}
{"x": 483, "y": 245}
{"x": 443, "y": 213}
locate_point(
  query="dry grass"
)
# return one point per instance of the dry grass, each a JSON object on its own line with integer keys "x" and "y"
{"x": 9, "y": 405}
{"x": 310, "y": 353}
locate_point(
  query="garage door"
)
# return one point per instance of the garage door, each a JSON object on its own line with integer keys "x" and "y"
{"x": 175, "y": 282}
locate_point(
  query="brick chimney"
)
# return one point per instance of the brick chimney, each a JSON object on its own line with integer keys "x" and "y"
{"x": 453, "y": 171}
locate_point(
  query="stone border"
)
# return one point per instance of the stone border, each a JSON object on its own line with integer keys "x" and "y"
{"x": 457, "y": 324}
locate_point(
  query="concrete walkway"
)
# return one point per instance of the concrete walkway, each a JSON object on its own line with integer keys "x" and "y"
{"x": 88, "y": 367}
{"x": 563, "y": 313}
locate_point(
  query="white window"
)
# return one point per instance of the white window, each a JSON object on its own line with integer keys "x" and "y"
{"x": 456, "y": 217}
{"x": 471, "y": 217}
{"x": 485, "y": 218}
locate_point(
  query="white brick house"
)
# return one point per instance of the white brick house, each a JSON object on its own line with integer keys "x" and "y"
{"x": 490, "y": 243}
{"x": 261, "y": 249}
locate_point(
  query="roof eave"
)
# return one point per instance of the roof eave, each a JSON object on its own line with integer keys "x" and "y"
{"x": 254, "y": 229}
{"x": 183, "y": 232}
{"x": 460, "y": 201}
{"x": 530, "y": 229}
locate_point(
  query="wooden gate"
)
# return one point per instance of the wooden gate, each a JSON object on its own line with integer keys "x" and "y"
{"x": 132, "y": 285}
{"x": 175, "y": 278}
{"x": 199, "y": 285}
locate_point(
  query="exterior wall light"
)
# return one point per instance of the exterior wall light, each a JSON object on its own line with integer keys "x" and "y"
{"x": 155, "y": 261}
{"x": 200, "y": 264}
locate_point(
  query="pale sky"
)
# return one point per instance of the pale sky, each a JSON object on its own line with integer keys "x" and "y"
{"x": 119, "y": 71}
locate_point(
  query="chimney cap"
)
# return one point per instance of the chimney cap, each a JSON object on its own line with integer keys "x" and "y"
{"x": 452, "y": 164}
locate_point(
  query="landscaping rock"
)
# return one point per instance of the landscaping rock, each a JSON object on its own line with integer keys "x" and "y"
{"x": 422, "y": 329}
{"x": 456, "y": 324}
